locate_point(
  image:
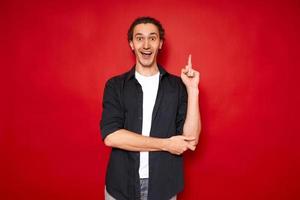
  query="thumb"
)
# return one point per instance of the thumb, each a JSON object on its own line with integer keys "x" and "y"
{"x": 184, "y": 71}
{"x": 192, "y": 147}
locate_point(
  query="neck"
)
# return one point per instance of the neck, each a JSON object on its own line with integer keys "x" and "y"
{"x": 147, "y": 71}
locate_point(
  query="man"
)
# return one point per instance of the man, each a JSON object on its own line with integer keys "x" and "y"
{"x": 149, "y": 118}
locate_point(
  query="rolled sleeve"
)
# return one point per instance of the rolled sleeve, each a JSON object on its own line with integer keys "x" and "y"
{"x": 182, "y": 108}
{"x": 112, "y": 112}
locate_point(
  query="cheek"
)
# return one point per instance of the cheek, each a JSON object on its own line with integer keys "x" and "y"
{"x": 136, "y": 51}
{"x": 156, "y": 45}
{"x": 137, "y": 46}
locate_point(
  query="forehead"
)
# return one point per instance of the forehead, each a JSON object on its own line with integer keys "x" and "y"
{"x": 145, "y": 29}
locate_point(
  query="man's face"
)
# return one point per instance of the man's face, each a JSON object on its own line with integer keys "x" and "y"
{"x": 146, "y": 43}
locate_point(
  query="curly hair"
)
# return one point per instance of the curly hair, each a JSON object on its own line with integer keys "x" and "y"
{"x": 145, "y": 20}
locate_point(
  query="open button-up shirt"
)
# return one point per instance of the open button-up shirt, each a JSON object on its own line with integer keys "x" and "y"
{"x": 122, "y": 109}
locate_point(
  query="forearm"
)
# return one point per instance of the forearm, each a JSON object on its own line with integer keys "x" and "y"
{"x": 192, "y": 125}
{"x": 131, "y": 141}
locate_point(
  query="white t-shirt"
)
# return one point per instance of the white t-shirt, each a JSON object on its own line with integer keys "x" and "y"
{"x": 149, "y": 86}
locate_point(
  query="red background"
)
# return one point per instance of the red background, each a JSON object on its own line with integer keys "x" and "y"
{"x": 57, "y": 55}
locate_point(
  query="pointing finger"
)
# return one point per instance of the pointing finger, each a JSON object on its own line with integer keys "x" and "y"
{"x": 190, "y": 61}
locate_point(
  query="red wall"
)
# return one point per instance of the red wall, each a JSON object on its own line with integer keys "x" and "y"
{"x": 56, "y": 57}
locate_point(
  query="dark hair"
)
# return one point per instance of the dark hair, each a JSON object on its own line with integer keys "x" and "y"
{"x": 145, "y": 20}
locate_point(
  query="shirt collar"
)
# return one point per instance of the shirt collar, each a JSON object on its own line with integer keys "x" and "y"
{"x": 131, "y": 73}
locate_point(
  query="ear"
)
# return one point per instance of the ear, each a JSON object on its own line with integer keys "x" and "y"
{"x": 131, "y": 45}
{"x": 160, "y": 44}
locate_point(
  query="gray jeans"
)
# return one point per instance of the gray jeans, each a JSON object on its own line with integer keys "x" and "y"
{"x": 144, "y": 191}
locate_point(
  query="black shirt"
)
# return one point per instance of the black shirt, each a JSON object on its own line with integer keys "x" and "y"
{"x": 123, "y": 109}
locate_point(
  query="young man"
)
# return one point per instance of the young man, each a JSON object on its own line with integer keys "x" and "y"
{"x": 150, "y": 117}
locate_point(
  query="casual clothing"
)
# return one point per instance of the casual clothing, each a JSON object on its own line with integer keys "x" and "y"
{"x": 149, "y": 86}
{"x": 144, "y": 184}
{"x": 144, "y": 191}
{"x": 123, "y": 108}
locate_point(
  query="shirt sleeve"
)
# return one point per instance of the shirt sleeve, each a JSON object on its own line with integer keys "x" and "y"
{"x": 112, "y": 111}
{"x": 182, "y": 108}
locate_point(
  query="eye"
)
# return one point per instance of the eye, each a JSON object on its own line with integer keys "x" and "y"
{"x": 139, "y": 38}
{"x": 152, "y": 38}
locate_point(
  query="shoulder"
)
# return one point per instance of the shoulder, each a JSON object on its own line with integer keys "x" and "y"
{"x": 117, "y": 80}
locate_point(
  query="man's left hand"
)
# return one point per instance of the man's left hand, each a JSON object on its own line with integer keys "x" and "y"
{"x": 189, "y": 76}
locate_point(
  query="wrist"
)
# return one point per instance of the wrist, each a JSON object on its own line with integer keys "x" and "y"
{"x": 165, "y": 144}
{"x": 192, "y": 90}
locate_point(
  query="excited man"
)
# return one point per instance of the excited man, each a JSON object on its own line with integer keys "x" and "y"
{"x": 150, "y": 117}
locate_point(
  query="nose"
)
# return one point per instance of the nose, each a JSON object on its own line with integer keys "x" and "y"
{"x": 146, "y": 44}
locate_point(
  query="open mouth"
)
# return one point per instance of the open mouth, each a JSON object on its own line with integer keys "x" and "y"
{"x": 146, "y": 54}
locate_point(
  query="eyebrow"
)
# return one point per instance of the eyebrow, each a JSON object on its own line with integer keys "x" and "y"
{"x": 153, "y": 33}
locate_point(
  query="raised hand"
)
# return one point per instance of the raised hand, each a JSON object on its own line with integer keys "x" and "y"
{"x": 189, "y": 76}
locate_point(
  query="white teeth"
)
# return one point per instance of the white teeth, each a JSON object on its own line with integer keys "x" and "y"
{"x": 147, "y": 53}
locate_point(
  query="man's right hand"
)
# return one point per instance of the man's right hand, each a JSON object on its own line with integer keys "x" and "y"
{"x": 179, "y": 144}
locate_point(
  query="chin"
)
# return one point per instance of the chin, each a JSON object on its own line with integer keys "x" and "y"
{"x": 147, "y": 64}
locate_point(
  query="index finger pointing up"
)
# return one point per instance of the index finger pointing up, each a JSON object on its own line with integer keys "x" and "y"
{"x": 190, "y": 61}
